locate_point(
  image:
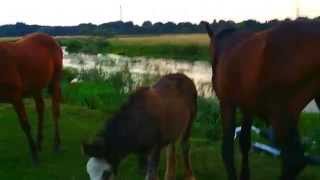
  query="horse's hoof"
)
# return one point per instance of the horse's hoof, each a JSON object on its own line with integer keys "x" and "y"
{"x": 142, "y": 171}
{"x": 35, "y": 162}
{"x": 39, "y": 148}
{"x": 312, "y": 160}
{"x": 245, "y": 176}
{"x": 152, "y": 178}
{"x": 190, "y": 178}
{"x": 170, "y": 177}
{"x": 57, "y": 149}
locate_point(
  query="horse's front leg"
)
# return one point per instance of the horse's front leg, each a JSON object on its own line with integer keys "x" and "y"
{"x": 143, "y": 162}
{"x": 20, "y": 109}
{"x": 292, "y": 153}
{"x": 171, "y": 162}
{"x": 228, "y": 127}
{"x": 245, "y": 145}
{"x": 152, "y": 164}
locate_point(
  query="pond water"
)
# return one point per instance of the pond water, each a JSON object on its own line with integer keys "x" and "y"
{"x": 199, "y": 71}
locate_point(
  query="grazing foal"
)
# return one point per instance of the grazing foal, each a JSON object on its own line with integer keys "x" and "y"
{"x": 272, "y": 74}
{"x": 153, "y": 118}
{"x": 28, "y": 66}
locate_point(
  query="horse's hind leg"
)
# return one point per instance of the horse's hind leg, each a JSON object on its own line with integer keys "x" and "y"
{"x": 245, "y": 144}
{"x": 171, "y": 162}
{"x": 153, "y": 163}
{"x": 56, "y": 97}
{"x": 228, "y": 127}
{"x": 143, "y": 163}
{"x": 40, "y": 110}
{"x": 293, "y": 159}
{"x": 20, "y": 109}
{"x": 185, "y": 146}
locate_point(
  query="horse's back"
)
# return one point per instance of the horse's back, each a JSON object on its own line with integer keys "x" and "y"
{"x": 292, "y": 63}
{"x": 176, "y": 84}
{"x": 177, "y": 87}
{"x": 293, "y": 46}
{"x": 41, "y": 46}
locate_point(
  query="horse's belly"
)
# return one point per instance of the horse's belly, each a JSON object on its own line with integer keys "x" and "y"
{"x": 8, "y": 93}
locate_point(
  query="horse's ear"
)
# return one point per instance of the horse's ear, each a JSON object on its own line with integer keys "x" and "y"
{"x": 209, "y": 29}
{"x": 95, "y": 149}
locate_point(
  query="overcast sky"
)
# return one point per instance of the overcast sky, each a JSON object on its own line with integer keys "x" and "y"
{"x": 73, "y": 12}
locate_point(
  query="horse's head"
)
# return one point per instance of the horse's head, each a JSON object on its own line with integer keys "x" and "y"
{"x": 221, "y": 43}
{"x": 100, "y": 166}
{"x": 217, "y": 45}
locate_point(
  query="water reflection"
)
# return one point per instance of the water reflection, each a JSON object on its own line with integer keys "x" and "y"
{"x": 199, "y": 72}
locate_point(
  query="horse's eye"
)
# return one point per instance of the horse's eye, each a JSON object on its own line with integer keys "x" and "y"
{"x": 106, "y": 175}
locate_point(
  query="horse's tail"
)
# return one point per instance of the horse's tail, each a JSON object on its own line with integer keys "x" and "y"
{"x": 195, "y": 101}
{"x": 317, "y": 100}
{"x": 57, "y": 71}
{"x": 50, "y": 88}
{"x": 54, "y": 81}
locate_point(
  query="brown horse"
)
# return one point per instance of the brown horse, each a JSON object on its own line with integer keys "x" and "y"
{"x": 28, "y": 66}
{"x": 153, "y": 118}
{"x": 272, "y": 74}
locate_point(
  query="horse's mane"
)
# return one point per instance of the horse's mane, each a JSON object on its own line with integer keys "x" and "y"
{"x": 134, "y": 97}
{"x": 230, "y": 37}
{"x": 225, "y": 32}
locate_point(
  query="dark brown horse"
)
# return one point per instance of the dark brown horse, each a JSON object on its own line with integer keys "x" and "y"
{"x": 28, "y": 66}
{"x": 154, "y": 117}
{"x": 272, "y": 74}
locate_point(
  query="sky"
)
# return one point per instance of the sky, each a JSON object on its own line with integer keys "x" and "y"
{"x": 74, "y": 12}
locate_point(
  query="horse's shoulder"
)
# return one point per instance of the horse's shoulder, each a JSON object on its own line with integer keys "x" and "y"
{"x": 5, "y": 52}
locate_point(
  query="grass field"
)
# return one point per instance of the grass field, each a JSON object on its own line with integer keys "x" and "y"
{"x": 198, "y": 39}
{"x": 79, "y": 123}
{"x": 178, "y": 47}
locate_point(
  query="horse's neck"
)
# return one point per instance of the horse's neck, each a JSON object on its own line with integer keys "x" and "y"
{"x": 116, "y": 136}
{"x": 226, "y": 43}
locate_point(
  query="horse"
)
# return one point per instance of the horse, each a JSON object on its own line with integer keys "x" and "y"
{"x": 154, "y": 117}
{"x": 27, "y": 67}
{"x": 272, "y": 74}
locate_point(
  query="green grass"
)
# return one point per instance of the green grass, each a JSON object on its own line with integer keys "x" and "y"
{"x": 177, "y": 47}
{"x": 199, "y": 39}
{"x": 186, "y": 52}
{"x": 79, "y": 123}
{"x": 93, "y": 45}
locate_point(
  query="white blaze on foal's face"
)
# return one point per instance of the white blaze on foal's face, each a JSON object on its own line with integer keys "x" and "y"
{"x": 97, "y": 168}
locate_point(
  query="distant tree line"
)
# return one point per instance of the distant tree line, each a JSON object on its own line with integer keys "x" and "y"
{"x": 121, "y": 28}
